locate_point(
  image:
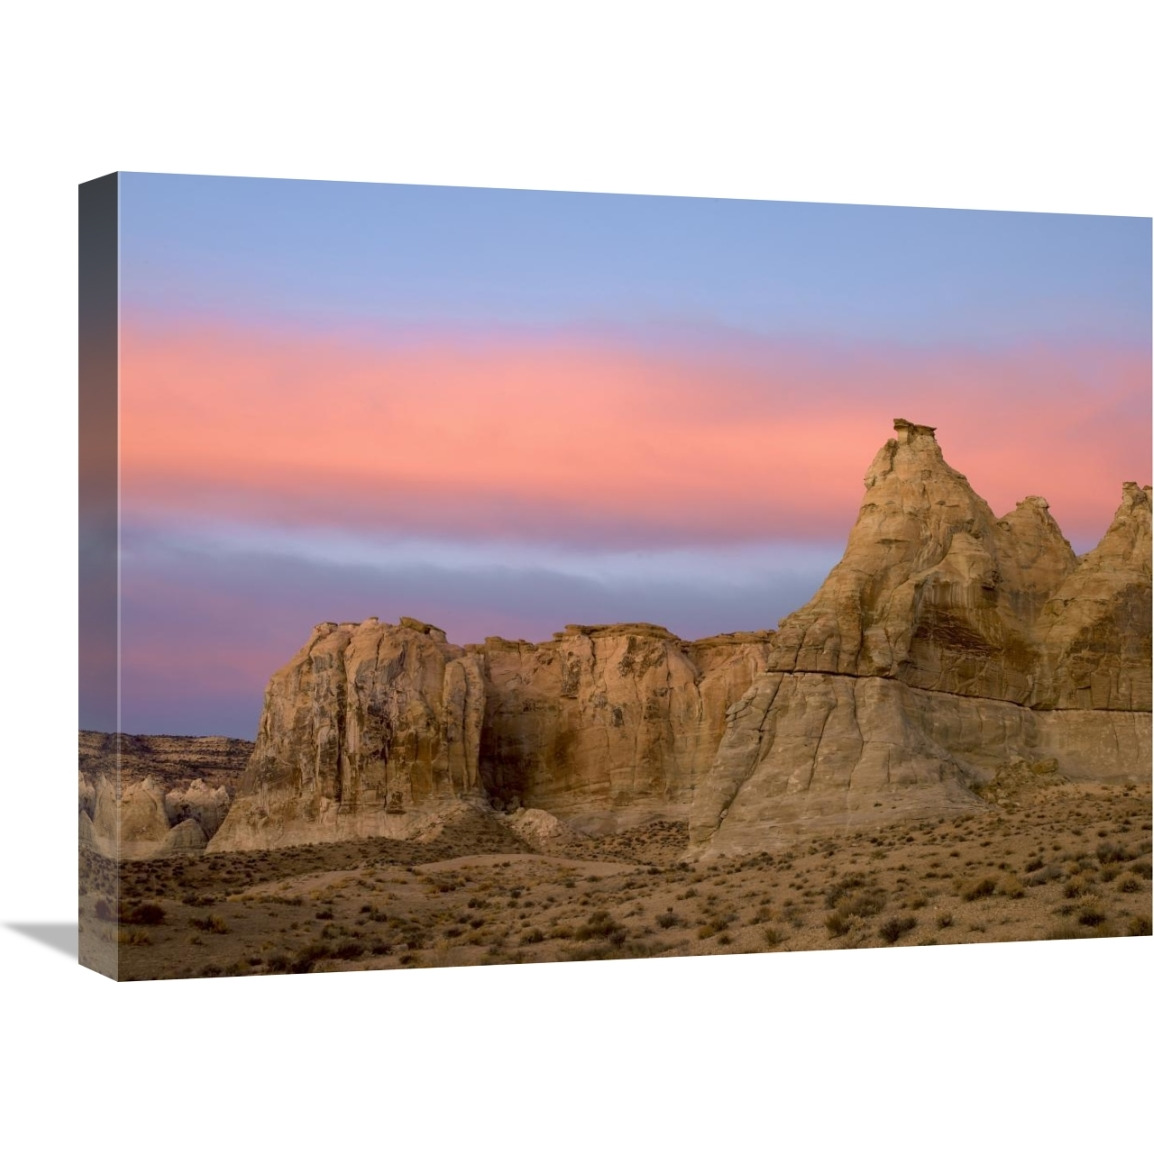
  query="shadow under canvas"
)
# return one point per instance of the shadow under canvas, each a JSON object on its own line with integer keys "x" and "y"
{"x": 60, "y": 936}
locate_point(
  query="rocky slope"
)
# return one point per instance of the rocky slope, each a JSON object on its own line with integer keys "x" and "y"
{"x": 174, "y": 791}
{"x": 947, "y": 644}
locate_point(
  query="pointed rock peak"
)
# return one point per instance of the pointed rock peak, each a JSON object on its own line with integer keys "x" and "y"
{"x": 1031, "y": 546}
{"x": 1032, "y": 517}
{"x": 1127, "y": 541}
{"x": 912, "y": 454}
{"x": 1134, "y": 497}
{"x": 1134, "y": 509}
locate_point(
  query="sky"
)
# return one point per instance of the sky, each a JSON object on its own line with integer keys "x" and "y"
{"x": 506, "y": 411}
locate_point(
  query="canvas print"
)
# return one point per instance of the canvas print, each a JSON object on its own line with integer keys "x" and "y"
{"x": 476, "y": 576}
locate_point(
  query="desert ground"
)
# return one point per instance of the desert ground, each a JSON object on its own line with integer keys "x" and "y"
{"x": 1045, "y": 861}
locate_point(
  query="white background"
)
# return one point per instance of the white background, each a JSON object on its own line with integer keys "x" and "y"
{"x": 995, "y": 105}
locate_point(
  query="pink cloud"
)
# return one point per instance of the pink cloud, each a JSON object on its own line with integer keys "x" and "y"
{"x": 595, "y": 440}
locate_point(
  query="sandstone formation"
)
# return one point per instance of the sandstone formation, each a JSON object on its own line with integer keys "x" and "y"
{"x": 609, "y": 725}
{"x": 945, "y": 644}
{"x": 166, "y": 783}
{"x": 372, "y": 728}
{"x": 187, "y": 836}
{"x": 367, "y": 724}
{"x": 950, "y": 650}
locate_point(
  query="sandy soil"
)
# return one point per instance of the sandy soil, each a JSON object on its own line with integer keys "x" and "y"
{"x": 1060, "y": 862}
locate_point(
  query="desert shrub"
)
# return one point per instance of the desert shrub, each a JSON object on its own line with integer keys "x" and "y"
{"x": 599, "y": 924}
{"x": 1011, "y": 886}
{"x": 715, "y": 925}
{"x": 1110, "y": 851}
{"x": 304, "y": 962}
{"x": 837, "y": 924}
{"x": 1034, "y": 864}
{"x": 1129, "y": 885}
{"x": 1138, "y": 926}
{"x": 213, "y": 924}
{"x": 837, "y": 892}
{"x": 945, "y": 920}
{"x": 324, "y": 915}
{"x": 532, "y": 937}
{"x": 773, "y": 936}
{"x": 147, "y": 914}
{"x": 347, "y": 951}
{"x": 104, "y": 911}
{"x": 668, "y": 920}
{"x": 1091, "y": 915}
{"x": 1044, "y": 876}
{"x": 977, "y": 888}
{"x": 277, "y": 963}
{"x": 1141, "y": 869}
{"x": 896, "y": 927}
{"x": 863, "y": 905}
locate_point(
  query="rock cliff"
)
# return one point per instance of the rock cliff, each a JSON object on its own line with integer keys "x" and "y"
{"x": 609, "y": 724}
{"x": 945, "y": 644}
{"x": 365, "y": 730}
{"x": 372, "y": 727}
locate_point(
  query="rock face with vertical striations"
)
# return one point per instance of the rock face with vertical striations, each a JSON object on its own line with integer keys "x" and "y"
{"x": 946, "y": 644}
{"x": 372, "y": 729}
{"x": 609, "y": 724}
{"x": 369, "y": 727}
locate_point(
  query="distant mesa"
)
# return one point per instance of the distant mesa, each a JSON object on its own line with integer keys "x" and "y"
{"x": 948, "y": 646}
